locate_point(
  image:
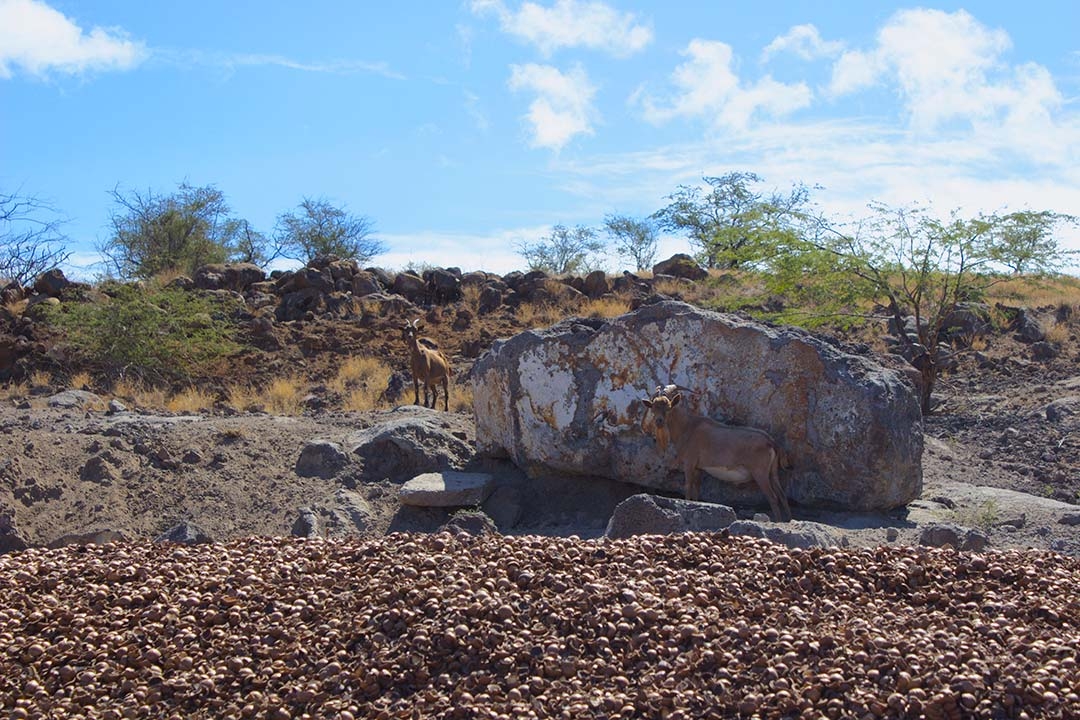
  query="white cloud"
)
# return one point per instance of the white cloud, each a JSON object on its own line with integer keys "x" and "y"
{"x": 571, "y": 23}
{"x": 708, "y": 86}
{"x": 39, "y": 39}
{"x": 803, "y": 41}
{"x": 563, "y": 106}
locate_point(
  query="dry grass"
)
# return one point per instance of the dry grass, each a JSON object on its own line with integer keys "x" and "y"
{"x": 470, "y": 295}
{"x": 605, "y": 307}
{"x": 243, "y": 397}
{"x": 361, "y": 381}
{"x": 1036, "y": 292}
{"x": 190, "y": 400}
{"x": 41, "y": 378}
{"x": 14, "y": 391}
{"x": 536, "y": 315}
{"x": 16, "y": 308}
{"x": 1058, "y": 333}
{"x": 140, "y": 394}
{"x": 461, "y": 398}
{"x": 284, "y": 395}
{"x": 81, "y": 381}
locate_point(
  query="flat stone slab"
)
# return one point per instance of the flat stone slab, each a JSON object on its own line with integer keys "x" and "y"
{"x": 449, "y": 488}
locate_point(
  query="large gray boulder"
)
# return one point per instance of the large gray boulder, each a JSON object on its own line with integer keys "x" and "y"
{"x": 851, "y": 428}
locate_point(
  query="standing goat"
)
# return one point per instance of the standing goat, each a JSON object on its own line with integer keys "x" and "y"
{"x": 427, "y": 364}
{"x": 733, "y": 454}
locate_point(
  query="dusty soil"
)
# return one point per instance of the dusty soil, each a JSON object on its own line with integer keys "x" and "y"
{"x": 993, "y": 461}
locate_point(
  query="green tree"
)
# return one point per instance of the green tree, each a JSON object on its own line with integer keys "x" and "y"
{"x": 564, "y": 251}
{"x": 30, "y": 239}
{"x": 1024, "y": 240}
{"x": 914, "y": 264}
{"x": 318, "y": 228}
{"x": 732, "y": 225}
{"x": 153, "y": 233}
{"x": 634, "y": 239}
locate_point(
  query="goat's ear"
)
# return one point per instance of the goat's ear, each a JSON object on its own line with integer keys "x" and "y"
{"x": 647, "y": 403}
{"x": 675, "y": 399}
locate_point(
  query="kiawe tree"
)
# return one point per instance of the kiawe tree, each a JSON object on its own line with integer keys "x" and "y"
{"x": 634, "y": 238}
{"x": 317, "y": 228}
{"x": 565, "y": 251}
{"x": 30, "y": 238}
{"x": 732, "y": 225}
{"x": 916, "y": 265}
{"x": 152, "y": 233}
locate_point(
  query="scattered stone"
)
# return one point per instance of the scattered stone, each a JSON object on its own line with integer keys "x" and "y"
{"x": 94, "y": 537}
{"x": 447, "y": 489}
{"x": 115, "y": 406}
{"x": 1071, "y": 518}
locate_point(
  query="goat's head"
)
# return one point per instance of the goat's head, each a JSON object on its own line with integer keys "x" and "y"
{"x": 411, "y": 329}
{"x": 661, "y": 405}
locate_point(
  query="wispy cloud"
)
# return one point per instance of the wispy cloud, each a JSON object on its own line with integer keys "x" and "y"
{"x": 805, "y": 42}
{"x": 563, "y": 106}
{"x": 491, "y": 251}
{"x": 707, "y": 86}
{"x": 234, "y": 61}
{"x": 473, "y": 108}
{"x": 40, "y": 40}
{"x": 571, "y": 23}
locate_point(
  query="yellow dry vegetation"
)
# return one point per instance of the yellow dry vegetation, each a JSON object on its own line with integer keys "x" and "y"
{"x": 361, "y": 380}
{"x": 190, "y": 400}
{"x": 283, "y": 395}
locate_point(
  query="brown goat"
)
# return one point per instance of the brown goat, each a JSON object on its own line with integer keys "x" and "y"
{"x": 427, "y": 364}
{"x": 733, "y": 454}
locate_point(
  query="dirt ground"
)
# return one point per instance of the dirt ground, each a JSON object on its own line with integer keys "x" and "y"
{"x": 1002, "y": 450}
{"x": 994, "y": 461}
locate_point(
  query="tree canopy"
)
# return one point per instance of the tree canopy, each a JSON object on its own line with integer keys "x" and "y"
{"x": 179, "y": 232}
{"x": 318, "y": 228}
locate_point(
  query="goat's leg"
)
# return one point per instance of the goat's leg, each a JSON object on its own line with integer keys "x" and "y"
{"x": 778, "y": 488}
{"x": 764, "y": 482}
{"x": 446, "y": 394}
{"x": 416, "y": 390}
{"x": 434, "y": 395}
{"x": 693, "y": 483}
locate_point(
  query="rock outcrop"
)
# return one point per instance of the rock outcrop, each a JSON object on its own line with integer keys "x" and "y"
{"x": 851, "y": 428}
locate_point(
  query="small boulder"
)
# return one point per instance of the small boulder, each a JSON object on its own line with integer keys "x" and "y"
{"x": 960, "y": 538}
{"x": 185, "y": 533}
{"x": 51, "y": 283}
{"x": 321, "y": 458}
{"x": 76, "y": 400}
{"x": 646, "y": 514}
{"x": 681, "y": 265}
{"x": 307, "y": 524}
{"x": 447, "y": 489}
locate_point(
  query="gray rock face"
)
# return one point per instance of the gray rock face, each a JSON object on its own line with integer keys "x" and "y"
{"x": 413, "y": 440}
{"x": 653, "y": 515}
{"x": 446, "y": 489}
{"x": 851, "y": 428}
{"x": 321, "y": 458}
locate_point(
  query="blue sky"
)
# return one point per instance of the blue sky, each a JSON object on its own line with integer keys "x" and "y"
{"x": 462, "y": 128}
